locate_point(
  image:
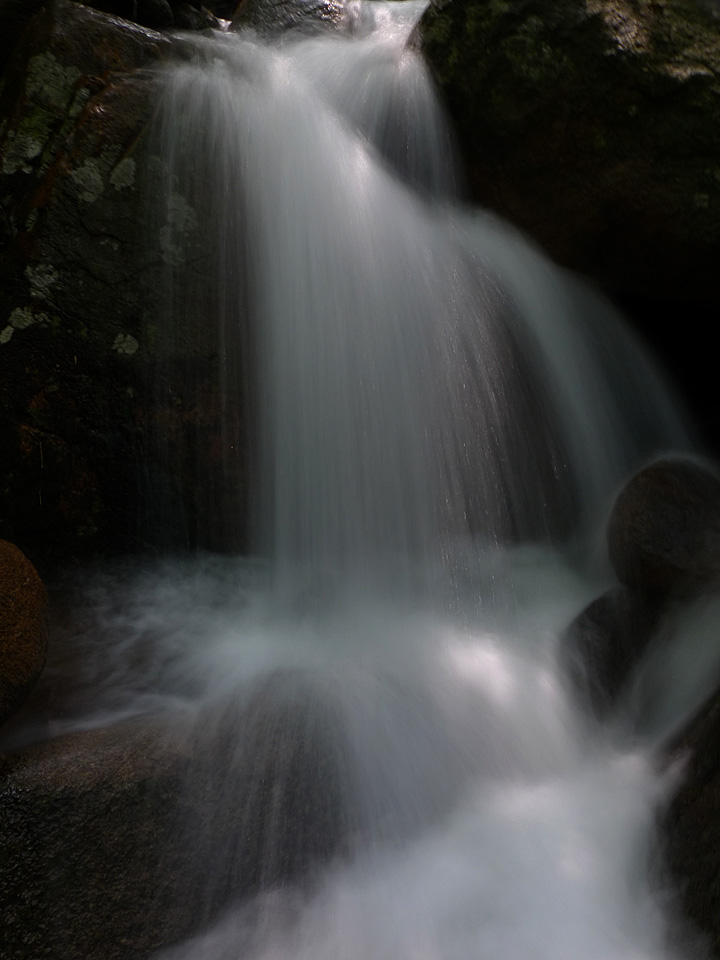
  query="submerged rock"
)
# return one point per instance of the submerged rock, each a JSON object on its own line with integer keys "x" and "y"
{"x": 268, "y": 774}
{"x": 23, "y": 628}
{"x": 595, "y": 126}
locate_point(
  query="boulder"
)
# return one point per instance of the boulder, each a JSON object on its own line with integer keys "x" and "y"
{"x": 23, "y": 628}
{"x": 270, "y": 778}
{"x": 604, "y": 644}
{"x": 663, "y": 539}
{"x": 594, "y": 125}
{"x": 664, "y": 529}
{"x": 115, "y": 842}
{"x": 84, "y": 394}
{"x": 89, "y": 862}
{"x": 74, "y": 99}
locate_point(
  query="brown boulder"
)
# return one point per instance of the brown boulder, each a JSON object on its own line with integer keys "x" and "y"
{"x": 23, "y": 628}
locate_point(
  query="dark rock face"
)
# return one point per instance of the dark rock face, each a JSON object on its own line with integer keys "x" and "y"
{"x": 160, "y": 14}
{"x": 664, "y": 529}
{"x": 23, "y": 628}
{"x": 75, "y": 99}
{"x": 595, "y": 126}
{"x": 88, "y": 865}
{"x": 605, "y": 643}
{"x": 277, "y": 16}
{"x": 82, "y": 396}
{"x": 116, "y": 842}
{"x": 691, "y": 825}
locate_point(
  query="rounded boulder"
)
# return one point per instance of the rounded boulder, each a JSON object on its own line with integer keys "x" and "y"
{"x": 664, "y": 529}
{"x": 23, "y": 628}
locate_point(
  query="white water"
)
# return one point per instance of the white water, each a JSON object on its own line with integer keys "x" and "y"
{"x": 434, "y": 404}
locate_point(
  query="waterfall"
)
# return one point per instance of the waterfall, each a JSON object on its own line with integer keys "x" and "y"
{"x": 422, "y": 374}
{"x": 388, "y": 762}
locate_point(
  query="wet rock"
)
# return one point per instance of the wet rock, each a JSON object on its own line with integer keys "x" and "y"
{"x": 594, "y": 125}
{"x": 664, "y": 529}
{"x": 88, "y": 860}
{"x": 691, "y": 825}
{"x": 23, "y": 628}
{"x": 80, "y": 392}
{"x": 278, "y": 16}
{"x": 159, "y": 14}
{"x": 269, "y": 776}
{"x": 75, "y": 100}
{"x": 191, "y": 16}
{"x": 224, "y": 9}
{"x": 604, "y": 644}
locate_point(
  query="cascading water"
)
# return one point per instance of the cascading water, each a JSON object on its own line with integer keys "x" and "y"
{"x": 388, "y": 763}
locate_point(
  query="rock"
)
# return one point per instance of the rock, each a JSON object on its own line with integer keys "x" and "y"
{"x": 269, "y": 776}
{"x": 82, "y": 394}
{"x": 89, "y": 863}
{"x": 224, "y": 9}
{"x": 594, "y": 125}
{"x": 277, "y": 16}
{"x": 14, "y": 17}
{"x": 188, "y": 16}
{"x": 691, "y": 826}
{"x": 156, "y": 14}
{"x": 75, "y": 101}
{"x": 23, "y": 628}
{"x": 159, "y": 14}
{"x": 118, "y": 841}
{"x": 664, "y": 529}
{"x": 604, "y": 644}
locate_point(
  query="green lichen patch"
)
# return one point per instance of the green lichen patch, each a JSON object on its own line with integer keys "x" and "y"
{"x": 89, "y": 180}
{"x": 50, "y": 82}
{"x": 42, "y": 277}
{"x": 123, "y": 175}
{"x": 125, "y": 344}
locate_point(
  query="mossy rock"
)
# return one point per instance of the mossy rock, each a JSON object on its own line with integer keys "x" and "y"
{"x": 81, "y": 392}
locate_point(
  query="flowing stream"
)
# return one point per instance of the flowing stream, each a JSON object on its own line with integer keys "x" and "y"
{"x": 390, "y": 763}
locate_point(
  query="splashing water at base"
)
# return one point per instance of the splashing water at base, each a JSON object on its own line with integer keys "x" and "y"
{"x": 388, "y": 763}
